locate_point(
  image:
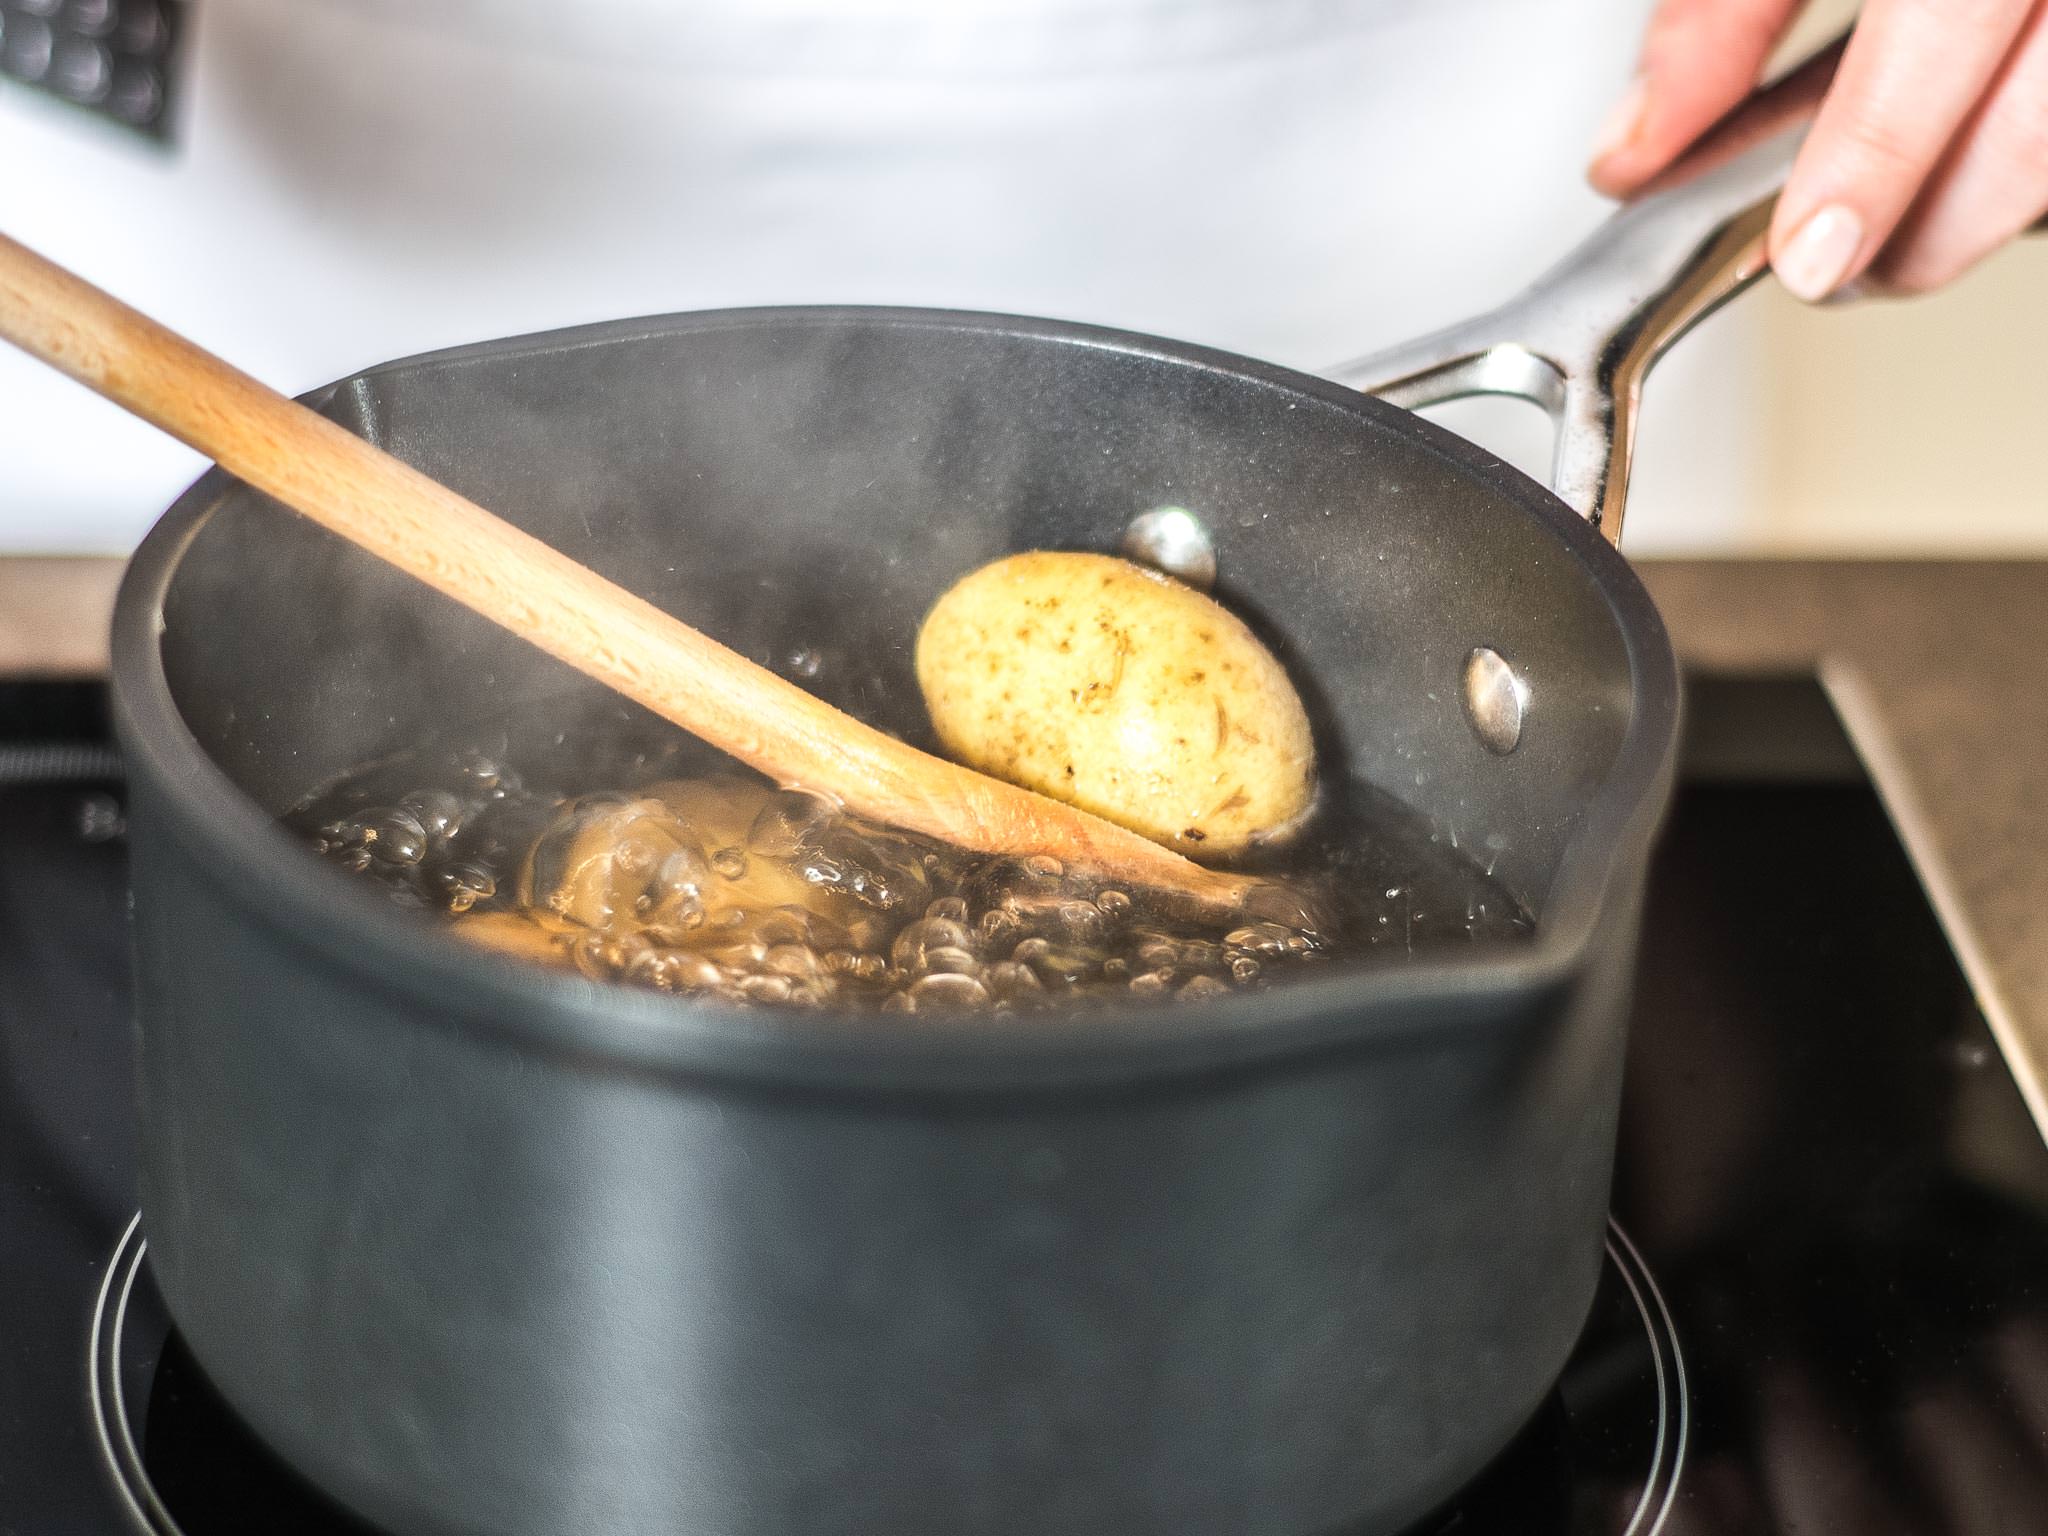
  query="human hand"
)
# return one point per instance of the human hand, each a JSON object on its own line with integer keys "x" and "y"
{"x": 1930, "y": 150}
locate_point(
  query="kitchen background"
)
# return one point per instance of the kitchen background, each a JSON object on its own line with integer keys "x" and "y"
{"x": 331, "y": 182}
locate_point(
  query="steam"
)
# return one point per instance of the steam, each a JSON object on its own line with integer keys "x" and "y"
{"x": 802, "y": 485}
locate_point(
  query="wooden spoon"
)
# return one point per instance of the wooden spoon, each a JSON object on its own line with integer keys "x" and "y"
{"x": 355, "y": 489}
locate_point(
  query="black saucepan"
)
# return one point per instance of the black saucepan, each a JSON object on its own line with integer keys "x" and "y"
{"x": 482, "y": 1248}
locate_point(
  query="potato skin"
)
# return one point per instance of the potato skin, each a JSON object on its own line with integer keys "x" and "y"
{"x": 1125, "y": 692}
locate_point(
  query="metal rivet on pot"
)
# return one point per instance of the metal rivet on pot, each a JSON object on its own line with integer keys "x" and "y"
{"x": 1173, "y": 540}
{"x": 1496, "y": 700}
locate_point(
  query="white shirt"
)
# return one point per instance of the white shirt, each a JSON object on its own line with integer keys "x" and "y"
{"x": 360, "y": 179}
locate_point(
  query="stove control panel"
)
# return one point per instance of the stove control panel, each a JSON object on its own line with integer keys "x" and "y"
{"x": 109, "y": 57}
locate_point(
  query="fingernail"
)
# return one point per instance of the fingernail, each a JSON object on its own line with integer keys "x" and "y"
{"x": 1820, "y": 253}
{"x": 1623, "y": 122}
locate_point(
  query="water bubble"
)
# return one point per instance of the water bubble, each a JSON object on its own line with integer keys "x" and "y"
{"x": 1081, "y": 922}
{"x": 672, "y": 903}
{"x": 681, "y": 971}
{"x": 948, "y": 959}
{"x": 796, "y": 961}
{"x": 1040, "y": 913}
{"x": 876, "y": 870}
{"x": 913, "y": 944}
{"x": 785, "y": 824}
{"x": 634, "y": 856}
{"x": 822, "y": 869}
{"x": 1158, "y": 954}
{"x": 589, "y": 952}
{"x": 800, "y": 925}
{"x": 483, "y": 774}
{"x": 474, "y": 768}
{"x": 997, "y": 928}
{"x": 644, "y": 968}
{"x": 439, "y": 813}
{"x": 691, "y": 879}
{"x": 951, "y": 908}
{"x": 741, "y": 952}
{"x": 805, "y": 662}
{"x": 1010, "y": 884}
{"x": 609, "y": 861}
{"x": 1011, "y": 982}
{"x": 948, "y": 991}
{"x": 1062, "y": 967}
{"x": 1266, "y": 940}
{"x": 647, "y": 966}
{"x": 856, "y": 964}
{"x": 394, "y": 836}
{"x": 1289, "y": 906}
{"x": 462, "y": 885}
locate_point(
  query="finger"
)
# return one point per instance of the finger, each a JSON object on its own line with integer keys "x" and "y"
{"x": 1700, "y": 57}
{"x": 1991, "y": 184}
{"x": 1911, "y": 75}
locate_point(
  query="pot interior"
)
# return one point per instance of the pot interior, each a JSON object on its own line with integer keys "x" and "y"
{"x": 802, "y": 484}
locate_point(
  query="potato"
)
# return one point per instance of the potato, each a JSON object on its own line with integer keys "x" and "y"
{"x": 1122, "y": 691}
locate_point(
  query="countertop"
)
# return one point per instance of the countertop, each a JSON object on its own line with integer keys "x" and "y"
{"x": 1935, "y": 667}
{"x": 1936, "y": 670}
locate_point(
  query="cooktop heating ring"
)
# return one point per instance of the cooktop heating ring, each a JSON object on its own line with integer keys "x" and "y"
{"x": 130, "y": 1329}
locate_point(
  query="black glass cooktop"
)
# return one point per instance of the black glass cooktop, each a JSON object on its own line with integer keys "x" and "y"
{"x": 1826, "y": 1303}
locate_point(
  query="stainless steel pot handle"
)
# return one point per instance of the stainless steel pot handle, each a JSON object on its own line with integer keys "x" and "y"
{"x": 1581, "y": 339}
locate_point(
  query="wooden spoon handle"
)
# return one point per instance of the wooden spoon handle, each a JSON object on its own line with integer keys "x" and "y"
{"x": 357, "y": 490}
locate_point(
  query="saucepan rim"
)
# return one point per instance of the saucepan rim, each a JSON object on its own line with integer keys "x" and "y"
{"x": 263, "y": 870}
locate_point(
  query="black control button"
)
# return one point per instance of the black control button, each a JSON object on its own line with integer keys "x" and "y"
{"x": 114, "y": 58}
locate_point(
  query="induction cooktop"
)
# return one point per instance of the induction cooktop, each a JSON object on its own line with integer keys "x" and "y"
{"x": 1825, "y": 1306}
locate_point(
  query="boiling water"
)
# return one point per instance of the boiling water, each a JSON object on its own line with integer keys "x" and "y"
{"x": 672, "y": 868}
